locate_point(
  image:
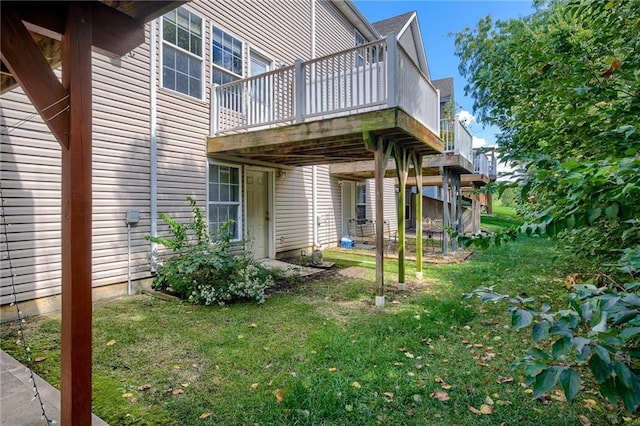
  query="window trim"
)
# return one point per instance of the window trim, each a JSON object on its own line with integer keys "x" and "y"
{"x": 241, "y": 204}
{"x": 193, "y": 55}
{"x": 243, "y": 52}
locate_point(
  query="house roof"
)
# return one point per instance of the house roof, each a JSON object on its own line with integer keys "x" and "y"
{"x": 399, "y": 25}
{"x": 394, "y": 24}
{"x": 353, "y": 14}
{"x": 445, "y": 85}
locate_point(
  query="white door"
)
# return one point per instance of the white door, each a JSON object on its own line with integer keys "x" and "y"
{"x": 348, "y": 205}
{"x": 257, "y": 193}
{"x": 261, "y": 90}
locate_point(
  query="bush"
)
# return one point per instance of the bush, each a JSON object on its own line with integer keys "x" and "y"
{"x": 203, "y": 270}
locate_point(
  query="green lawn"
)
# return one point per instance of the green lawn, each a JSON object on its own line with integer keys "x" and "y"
{"x": 320, "y": 353}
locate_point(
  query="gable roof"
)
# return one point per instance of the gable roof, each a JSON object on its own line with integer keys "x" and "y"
{"x": 399, "y": 25}
{"x": 395, "y": 24}
{"x": 445, "y": 85}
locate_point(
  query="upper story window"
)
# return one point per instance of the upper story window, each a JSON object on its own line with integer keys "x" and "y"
{"x": 358, "y": 38}
{"x": 226, "y": 56}
{"x": 182, "y": 52}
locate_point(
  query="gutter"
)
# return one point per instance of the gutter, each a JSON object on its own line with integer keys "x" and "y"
{"x": 153, "y": 142}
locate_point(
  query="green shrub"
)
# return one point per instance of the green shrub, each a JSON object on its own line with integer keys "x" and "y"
{"x": 203, "y": 269}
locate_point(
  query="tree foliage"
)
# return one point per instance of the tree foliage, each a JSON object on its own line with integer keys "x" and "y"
{"x": 563, "y": 87}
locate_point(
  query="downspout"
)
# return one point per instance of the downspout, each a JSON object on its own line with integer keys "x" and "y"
{"x": 153, "y": 143}
{"x": 314, "y": 169}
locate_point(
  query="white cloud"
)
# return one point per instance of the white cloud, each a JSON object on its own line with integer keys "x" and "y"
{"x": 479, "y": 142}
{"x": 466, "y": 118}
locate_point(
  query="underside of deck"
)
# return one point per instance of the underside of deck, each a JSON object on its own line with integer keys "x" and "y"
{"x": 329, "y": 140}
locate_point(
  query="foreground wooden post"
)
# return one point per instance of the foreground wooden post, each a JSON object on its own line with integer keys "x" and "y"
{"x": 417, "y": 165}
{"x": 445, "y": 212}
{"x": 378, "y": 156}
{"x": 402, "y": 167}
{"x": 76, "y": 220}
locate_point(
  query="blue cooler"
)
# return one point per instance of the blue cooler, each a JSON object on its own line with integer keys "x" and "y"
{"x": 347, "y": 243}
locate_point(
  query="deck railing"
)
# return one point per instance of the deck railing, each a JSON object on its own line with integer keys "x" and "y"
{"x": 493, "y": 164}
{"x": 480, "y": 163}
{"x": 372, "y": 76}
{"x": 457, "y": 139}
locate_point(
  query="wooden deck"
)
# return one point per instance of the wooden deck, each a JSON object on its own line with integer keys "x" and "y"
{"x": 328, "y": 141}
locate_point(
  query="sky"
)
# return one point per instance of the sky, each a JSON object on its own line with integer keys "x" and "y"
{"x": 439, "y": 18}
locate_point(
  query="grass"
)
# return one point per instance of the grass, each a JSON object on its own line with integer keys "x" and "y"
{"x": 321, "y": 353}
{"x": 502, "y": 217}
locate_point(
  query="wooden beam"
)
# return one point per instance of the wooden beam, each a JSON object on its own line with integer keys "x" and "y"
{"x": 114, "y": 33}
{"x": 379, "y": 191}
{"x": 431, "y": 142}
{"x": 454, "y": 161}
{"x": 76, "y": 220}
{"x": 307, "y": 131}
{"x": 402, "y": 165}
{"x": 446, "y": 219}
{"x": 32, "y": 71}
{"x": 417, "y": 165}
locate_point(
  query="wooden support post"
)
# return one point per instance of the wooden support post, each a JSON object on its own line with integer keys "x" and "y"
{"x": 76, "y": 220}
{"x": 417, "y": 165}
{"x": 402, "y": 166}
{"x": 456, "y": 207}
{"x": 446, "y": 221}
{"x": 379, "y": 176}
{"x": 489, "y": 201}
{"x": 475, "y": 208}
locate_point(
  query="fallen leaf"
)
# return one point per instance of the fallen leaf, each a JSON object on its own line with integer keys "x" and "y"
{"x": 111, "y": 342}
{"x": 133, "y": 400}
{"x": 408, "y": 354}
{"x": 39, "y": 359}
{"x": 144, "y": 387}
{"x": 176, "y": 367}
{"x": 240, "y": 336}
{"x": 205, "y": 415}
{"x": 438, "y": 379}
{"x": 502, "y": 379}
{"x": 184, "y": 385}
{"x": 591, "y": 404}
{"x": 474, "y": 410}
{"x": 254, "y": 386}
{"x": 584, "y": 421}
{"x": 253, "y": 325}
{"x": 388, "y": 396}
{"x": 356, "y": 385}
{"x": 478, "y": 345}
{"x": 279, "y": 395}
{"x": 348, "y": 407}
{"x": 445, "y": 386}
{"x": 488, "y": 400}
{"x": 417, "y": 397}
{"x": 177, "y": 391}
{"x": 439, "y": 395}
{"x": 127, "y": 395}
{"x": 486, "y": 409}
{"x": 411, "y": 374}
{"x": 333, "y": 369}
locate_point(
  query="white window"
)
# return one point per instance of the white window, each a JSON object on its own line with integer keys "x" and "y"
{"x": 224, "y": 198}
{"x": 361, "y": 201}
{"x": 182, "y": 52}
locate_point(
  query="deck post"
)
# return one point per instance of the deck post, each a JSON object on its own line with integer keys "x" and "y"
{"x": 379, "y": 171}
{"x": 392, "y": 70}
{"x": 454, "y": 209}
{"x": 475, "y": 208}
{"x": 417, "y": 165}
{"x": 299, "y": 90}
{"x": 446, "y": 222}
{"x": 214, "y": 110}
{"x": 76, "y": 220}
{"x": 402, "y": 167}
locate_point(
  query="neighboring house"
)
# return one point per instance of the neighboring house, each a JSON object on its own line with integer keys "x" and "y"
{"x": 158, "y": 137}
